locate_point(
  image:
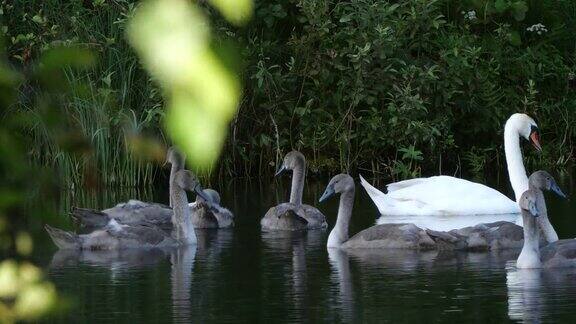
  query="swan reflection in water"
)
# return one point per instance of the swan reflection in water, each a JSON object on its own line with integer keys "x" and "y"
{"x": 340, "y": 266}
{"x": 121, "y": 265}
{"x": 296, "y": 245}
{"x": 535, "y": 295}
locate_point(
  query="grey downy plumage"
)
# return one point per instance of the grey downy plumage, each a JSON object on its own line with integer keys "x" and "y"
{"x": 294, "y": 215}
{"x": 118, "y": 236}
{"x": 133, "y": 212}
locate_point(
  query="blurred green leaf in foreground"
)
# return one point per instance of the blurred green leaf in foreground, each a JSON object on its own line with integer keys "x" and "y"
{"x": 172, "y": 37}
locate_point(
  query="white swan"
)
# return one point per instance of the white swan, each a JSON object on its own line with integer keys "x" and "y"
{"x": 447, "y": 197}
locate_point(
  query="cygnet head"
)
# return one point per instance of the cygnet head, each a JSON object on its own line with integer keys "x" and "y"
{"x": 188, "y": 181}
{"x": 338, "y": 184}
{"x": 291, "y": 161}
{"x": 526, "y": 127}
{"x": 544, "y": 181}
{"x": 174, "y": 157}
{"x": 212, "y": 195}
{"x": 527, "y": 203}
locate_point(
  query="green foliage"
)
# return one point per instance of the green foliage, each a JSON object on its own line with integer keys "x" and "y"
{"x": 106, "y": 106}
{"x": 365, "y": 80}
{"x": 348, "y": 83}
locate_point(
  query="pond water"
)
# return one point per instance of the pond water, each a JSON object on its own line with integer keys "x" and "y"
{"x": 249, "y": 275}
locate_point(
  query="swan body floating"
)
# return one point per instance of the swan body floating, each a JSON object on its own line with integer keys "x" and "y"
{"x": 115, "y": 236}
{"x": 294, "y": 215}
{"x": 204, "y": 214}
{"x": 558, "y": 254}
{"x": 490, "y": 236}
{"x": 450, "y": 197}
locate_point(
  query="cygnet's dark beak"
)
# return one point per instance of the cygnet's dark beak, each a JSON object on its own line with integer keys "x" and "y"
{"x": 556, "y": 189}
{"x": 280, "y": 170}
{"x": 327, "y": 193}
{"x": 200, "y": 192}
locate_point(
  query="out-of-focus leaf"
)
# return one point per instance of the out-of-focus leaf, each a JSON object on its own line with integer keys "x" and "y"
{"x": 169, "y": 35}
{"x": 196, "y": 133}
{"x": 172, "y": 38}
{"x": 236, "y": 11}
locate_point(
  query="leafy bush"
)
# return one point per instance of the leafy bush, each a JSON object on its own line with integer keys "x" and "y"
{"x": 354, "y": 85}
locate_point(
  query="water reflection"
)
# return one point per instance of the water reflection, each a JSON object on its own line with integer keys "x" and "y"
{"x": 291, "y": 247}
{"x": 540, "y": 295}
{"x": 182, "y": 261}
{"x": 245, "y": 274}
{"x": 340, "y": 265}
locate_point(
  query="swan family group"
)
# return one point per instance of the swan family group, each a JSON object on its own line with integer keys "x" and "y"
{"x": 454, "y": 209}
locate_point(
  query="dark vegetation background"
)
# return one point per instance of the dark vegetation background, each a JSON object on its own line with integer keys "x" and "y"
{"x": 398, "y": 88}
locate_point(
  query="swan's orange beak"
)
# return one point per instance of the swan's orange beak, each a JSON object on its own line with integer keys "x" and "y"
{"x": 535, "y": 140}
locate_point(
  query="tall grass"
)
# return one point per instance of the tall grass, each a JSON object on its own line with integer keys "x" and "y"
{"x": 107, "y": 104}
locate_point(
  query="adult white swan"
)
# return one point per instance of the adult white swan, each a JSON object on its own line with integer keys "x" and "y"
{"x": 446, "y": 197}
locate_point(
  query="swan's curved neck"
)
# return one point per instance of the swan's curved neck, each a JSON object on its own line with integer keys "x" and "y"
{"x": 181, "y": 219}
{"x": 176, "y": 166}
{"x": 516, "y": 171}
{"x": 543, "y": 222}
{"x": 530, "y": 255}
{"x": 339, "y": 233}
{"x": 297, "y": 189}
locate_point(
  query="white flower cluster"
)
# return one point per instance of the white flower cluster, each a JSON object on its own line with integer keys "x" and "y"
{"x": 470, "y": 15}
{"x": 538, "y": 29}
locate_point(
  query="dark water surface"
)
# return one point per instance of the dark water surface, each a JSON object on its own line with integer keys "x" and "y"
{"x": 245, "y": 275}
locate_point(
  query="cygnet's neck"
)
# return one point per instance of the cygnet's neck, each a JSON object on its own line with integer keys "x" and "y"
{"x": 543, "y": 221}
{"x": 339, "y": 233}
{"x": 298, "y": 174}
{"x": 514, "y": 162}
{"x": 181, "y": 219}
{"x": 530, "y": 255}
{"x": 176, "y": 166}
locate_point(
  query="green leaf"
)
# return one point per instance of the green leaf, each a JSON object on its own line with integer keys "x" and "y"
{"x": 501, "y": 6}
{"x": 346, "y": 18}
{"x": 514, "y": 38}
{"x": 519, "y": 9}
{"x": 236, "y": 11}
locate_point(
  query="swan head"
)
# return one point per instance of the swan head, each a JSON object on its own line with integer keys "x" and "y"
{"x": 526, "y": 127}
{"x": 174, "y": 157}
{"x": 338, "y": 184}
{"x": 186, "y": 180}
{"x": 544, "y": 181}
{"x": 527, "y": 203}
{"x": 291, "y": 161}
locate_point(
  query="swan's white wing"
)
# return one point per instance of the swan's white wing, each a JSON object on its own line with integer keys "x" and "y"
{"x": 441, "y": 195}
{"x": 377, "y": 196}
{"x": 405, "y": 183}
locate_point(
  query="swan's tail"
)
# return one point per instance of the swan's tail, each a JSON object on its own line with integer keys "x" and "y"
{"x": 89, "y": 217}
{"x": 380, "y": 199}
{"x": 63, "y": 239}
